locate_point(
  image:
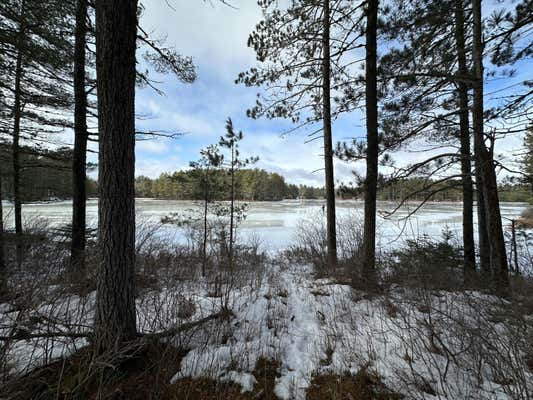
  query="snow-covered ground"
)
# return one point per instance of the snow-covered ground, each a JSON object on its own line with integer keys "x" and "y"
{"x": 441, "y": 342}
{"x": 424, "y": 344}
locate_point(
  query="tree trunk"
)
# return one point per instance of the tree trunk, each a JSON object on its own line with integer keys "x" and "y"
{"x": 206, "y": 201}
{"x": 372, "y": 151}
{"x": 232, "y": 205}
{"x": 79, "y": 160}
{"x": 464, "y": 132}
{"x": 328, "y": 145}
{"x": 483, "y": 236}
{"x": 17, "y": 115}
{"x": 116, "y": 31}
{"x": 498, "y": 257}
{"x": 3, "y": 272}
{"x": 514, "y": 247}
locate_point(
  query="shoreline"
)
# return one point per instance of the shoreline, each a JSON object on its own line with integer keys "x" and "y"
{"x": 9, "y": 203}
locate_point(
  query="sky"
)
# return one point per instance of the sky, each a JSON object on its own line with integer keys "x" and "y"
{"x": 215, "y": 37}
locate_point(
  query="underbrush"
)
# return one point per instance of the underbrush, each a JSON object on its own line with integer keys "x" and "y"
{"x": 47, "y": 309}
{"x": 526, "y": 219}
{"x": 363, "y": 385}
{"x": 310, "y": 245}
{"x": 140, "y": 370}
{"x": 435, "y": 333}
{"x": 268, "y": 328}
{"x": 426, "y": 263}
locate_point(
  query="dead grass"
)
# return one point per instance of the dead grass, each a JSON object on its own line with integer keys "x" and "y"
{"x": 365, "y": 385}
{"x": 204, "y": 389}
{"x": 266, "y": 371}
{"x": 142, "y": 371}
{"x": 145, "y": 371}
{"x": 526, "y": 219}
{"x": 525, "y": 223}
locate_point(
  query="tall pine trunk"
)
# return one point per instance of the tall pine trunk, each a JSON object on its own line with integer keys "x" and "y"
{"x": 483, "y": 236}
{"x": 464, "y": 133}
{"x": 498, "y": 258}
{"x": 116, "y": 31}
{"x": 328, "y": 141}
{"x": 79, "y": 161}
{"x": 17, "y": 115}
{"x": 372, "y": 151}
{"x": 206, "y": 202}
{"x": 232, "y": 206}
{"x": 3, "y": 272}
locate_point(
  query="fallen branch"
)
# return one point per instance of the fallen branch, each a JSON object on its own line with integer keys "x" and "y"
{"x": 22, "y": 335}
{"x": 224, "y": 314}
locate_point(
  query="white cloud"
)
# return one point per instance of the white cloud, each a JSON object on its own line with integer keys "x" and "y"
{"x": 213, "y": 34}
{"x": 192, "y": 124}
{"x": 154, "y": 167}
{"x": 152, "y": 146}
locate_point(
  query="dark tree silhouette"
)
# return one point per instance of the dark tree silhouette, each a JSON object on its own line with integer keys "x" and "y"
{"x": 464, "y": 137}
{"x": 485, "y": 163}
{"x": 372, "y": 148}
{"x": 79, "y": 159}
{"x": 116, "y": 34}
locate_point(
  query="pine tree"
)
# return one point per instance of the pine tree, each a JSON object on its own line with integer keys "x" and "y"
{"x": 116, "y": 36}
{"x": 235, "y": 162}
{"x": 528, "y": 158}
{"x": 372, "y": 147}
{"x": 485, "y": 162}
{"x": 464, "y": 138}
{"x": 79, "y": 159}
{"x": 505, "y": 36}
{"x": 430, "y": 76}
{"x": 159, "y": 56}
{"x": 210, "y": 159}
{"x": 3, "y": 273}
{"x": 328, "y": 141}
{"x": 305, "y": 53}
{"x": 35, "y": 44}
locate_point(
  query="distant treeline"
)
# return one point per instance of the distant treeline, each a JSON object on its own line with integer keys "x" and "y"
{"x": 516, "y": 193}
{"x": 45, "y": 174}
{"x": 251, "y": 185}
{"x": 260, "y": 185}
{"x": 419, "y": 189}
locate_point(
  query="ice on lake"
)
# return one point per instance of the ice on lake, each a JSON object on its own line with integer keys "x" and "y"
{"x": 275, "y": 223}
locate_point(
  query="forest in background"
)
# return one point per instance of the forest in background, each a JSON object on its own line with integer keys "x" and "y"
{"x": 47, "y": 175}
{"x": 129, "y": 310}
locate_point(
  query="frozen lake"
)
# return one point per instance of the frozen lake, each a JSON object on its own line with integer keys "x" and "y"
{"x": 275, "y": 223}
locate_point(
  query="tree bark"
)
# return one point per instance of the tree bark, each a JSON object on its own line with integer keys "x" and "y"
{"x": 17, "y": 115}
{"x": 2, "y": 254}
{"x": 498, "y": 257}
{"x": 372, "y": 151}
{"x": 232, "y": 205}
{"x": 464, "y": 133}
{"x": 483, "y": 236}
{"x": 331, "y": 229}
{"x": 206, "y": 201}
{"x": 79, "y": 161}
{"x": 116, "y": 30}
{"x": 514, "y": 247}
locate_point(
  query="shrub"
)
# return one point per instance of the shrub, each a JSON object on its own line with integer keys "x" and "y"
{"x": 426, "y": 262}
